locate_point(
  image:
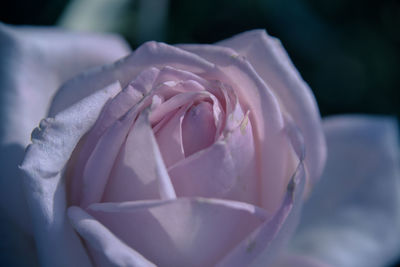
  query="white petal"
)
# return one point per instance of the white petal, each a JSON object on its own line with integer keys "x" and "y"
{"x": 52, "y": 145}
{"x": 353, "y": 217}
{"x": 34, "y": 62}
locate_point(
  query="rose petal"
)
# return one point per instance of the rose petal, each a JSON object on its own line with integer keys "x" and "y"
{"x": 100, "y": 163}
{"x": 125, "y": 102}
{"x": 125, "y": 70}
{"x": 33, "y": 64}
{"x": 45, "y": 159}
{"x": 234, "y": 174}
{"x": 169, "y": 137}
{"x": 180, "y": 232}
{"x": 276, "y": 158}
{"x": 106, "y": 249}
{"x": 290, "y": 260}
{"x": 36, "y": 61}
{"x": 270, "y": 60}
{"x": 198, "y": 128}
{"x": 353, "y": 217}
{"x": 139, "y": 171}
{"x": 168, "y": 74}
{"x": 263, "y": 245}
{"x": 177, "y": 101}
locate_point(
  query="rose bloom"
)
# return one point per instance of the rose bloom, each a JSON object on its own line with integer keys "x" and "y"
{"x": 185, "y": 155}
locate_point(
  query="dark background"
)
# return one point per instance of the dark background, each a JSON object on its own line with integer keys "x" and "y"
{"x": 347, "y": 50}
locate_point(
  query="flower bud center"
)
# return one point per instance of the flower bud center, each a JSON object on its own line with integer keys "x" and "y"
{"x": 198, "y": 128}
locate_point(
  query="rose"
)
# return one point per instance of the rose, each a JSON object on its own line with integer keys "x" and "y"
{"x": 290, "y": 113}
{"x": 198, "y": 134}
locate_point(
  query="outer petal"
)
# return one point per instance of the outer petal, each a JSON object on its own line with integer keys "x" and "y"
{"x": 181, "y": 232}
{"x": 263, "y": 246}
{"x": 45, "y": 159}
{"x": 125, "y": 70}
{"x": 270, "y": 60}
{"x": 353, "y": 217}
{"x": 33, "y": 64}
{"x": 106, "y": 248}
{"x": 291, "y": 260}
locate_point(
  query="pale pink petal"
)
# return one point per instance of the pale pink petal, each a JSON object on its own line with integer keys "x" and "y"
{"x": 177, "y": 101}
{"x": 99, "y": 165}
{"x": 105, "y": 248}
{"x": 181, "y": 232}
{"x": 208, "y": 173}
{"x": 169, "y": 137}
{"x": 352, "y": 217}
{"x": 276, "y": 160}
{"x": 263, "y": 245}
{"x": 45, "y": 159}
{"x": 168, "y": 74}
{"x": 198, "y": 128}
{"x": 225, "y": 170}
{"x": 125, "y": 102}
{"x": 146, "y": 56}
{"x": 34, "y": 62}
{"x": 139, "y": 171}
{"x": 270, "y": 60}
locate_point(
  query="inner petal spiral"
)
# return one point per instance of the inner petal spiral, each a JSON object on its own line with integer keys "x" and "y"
{"x": 198, "y": 128}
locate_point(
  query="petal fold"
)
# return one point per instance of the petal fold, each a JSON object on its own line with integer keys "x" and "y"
{"x": 106, "y": 249}
{"x": 270, "y": 60}
{"x": 180, "y": 232}
{"x": 276, "y": 161}
{"x": 139, "y": 171}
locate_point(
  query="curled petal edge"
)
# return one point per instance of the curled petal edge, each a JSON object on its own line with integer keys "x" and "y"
{"x": 45, "y": 159}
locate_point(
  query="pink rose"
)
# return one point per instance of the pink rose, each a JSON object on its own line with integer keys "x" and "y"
{"x": 188, "y": 155}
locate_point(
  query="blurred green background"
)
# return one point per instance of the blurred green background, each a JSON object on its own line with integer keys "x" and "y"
{"x": 348, "y": 51}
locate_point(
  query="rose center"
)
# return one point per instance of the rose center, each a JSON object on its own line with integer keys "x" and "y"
{"x": 198, "y": 128}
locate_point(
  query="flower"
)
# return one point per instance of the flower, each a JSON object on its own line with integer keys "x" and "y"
{"x": 188, "y": 155}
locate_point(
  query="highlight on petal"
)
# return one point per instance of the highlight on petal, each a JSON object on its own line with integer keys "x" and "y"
{"x": 122, "y": 110}
{"x": 270, "y": 60}
{"x": 139, "y": 171}
{"x": 105, "y": 248}
{"x": 353, "y": 217}
{"x": 100, "y": 163}
{"x": 180, "y": 232}
{"x": 45, "y": 159}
